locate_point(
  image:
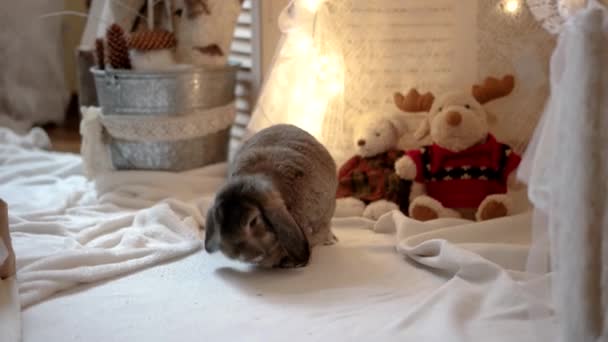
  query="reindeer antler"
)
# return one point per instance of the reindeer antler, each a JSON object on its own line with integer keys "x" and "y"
{"x": 414, "y": 102}
{"x": 493, "y": 88}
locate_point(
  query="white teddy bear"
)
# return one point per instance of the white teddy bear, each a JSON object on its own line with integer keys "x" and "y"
{"x": 369, "y": 186}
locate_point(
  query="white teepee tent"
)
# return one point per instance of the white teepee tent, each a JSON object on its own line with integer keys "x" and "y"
{"x": 341, "y": 59}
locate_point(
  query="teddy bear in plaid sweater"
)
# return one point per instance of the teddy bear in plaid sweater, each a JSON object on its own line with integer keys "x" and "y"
{"x": 368, "y": 183}
{"x": 465, "y": 171}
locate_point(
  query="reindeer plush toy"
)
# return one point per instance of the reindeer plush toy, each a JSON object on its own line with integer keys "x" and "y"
{"x": 464, "y": 171}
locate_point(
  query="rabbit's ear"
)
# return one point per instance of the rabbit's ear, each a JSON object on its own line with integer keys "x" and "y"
{"x": 212, "y": 232}
{"x": 289, "y": 234}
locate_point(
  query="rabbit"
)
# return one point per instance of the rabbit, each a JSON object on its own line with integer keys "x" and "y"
{"x": 278, "y": 201}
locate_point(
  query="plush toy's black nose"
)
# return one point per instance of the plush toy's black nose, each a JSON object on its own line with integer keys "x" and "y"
{"x": 454, "y": 118}
{"x": 361, "y": 142}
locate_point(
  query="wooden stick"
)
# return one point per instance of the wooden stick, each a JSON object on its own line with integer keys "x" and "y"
{"x": 7, "y": 269}
{"x": 150, "y": 15}
{"x": 169, "y": 10}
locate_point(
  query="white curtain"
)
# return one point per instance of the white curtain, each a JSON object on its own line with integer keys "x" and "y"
{"x": 33, "y": 88}
{"x": 567, "y": 171}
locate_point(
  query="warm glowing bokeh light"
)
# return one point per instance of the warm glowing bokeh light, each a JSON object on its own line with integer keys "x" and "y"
{"x": 312, "y": 5}
{"x": 512, "y": 6}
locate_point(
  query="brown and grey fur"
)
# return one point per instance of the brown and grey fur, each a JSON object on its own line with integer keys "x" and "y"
{"x": 278, "y": 201}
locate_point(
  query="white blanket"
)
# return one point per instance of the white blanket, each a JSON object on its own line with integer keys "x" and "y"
{"x": 445, "y": 280}
{"x": 357, "y": 290}
{"x": 66, "y": 232}
{"x": 487, "y": 288}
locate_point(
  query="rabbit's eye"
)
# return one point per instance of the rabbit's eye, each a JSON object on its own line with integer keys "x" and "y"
{"x": 178, "y": 12}
{"x": 467, "y": 106}
{"x": 253, "y": 222}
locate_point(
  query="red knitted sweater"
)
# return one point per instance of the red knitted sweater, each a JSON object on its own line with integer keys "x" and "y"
{"x": 463, "y": 179}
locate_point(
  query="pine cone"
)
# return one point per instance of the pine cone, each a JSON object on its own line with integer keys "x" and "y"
{"x": 118, "y": 52}
{"x": 151, "y": 40}
{"x": 99, "y": 53}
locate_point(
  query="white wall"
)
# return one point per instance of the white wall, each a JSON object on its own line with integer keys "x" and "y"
{"x": 32, "y": 82}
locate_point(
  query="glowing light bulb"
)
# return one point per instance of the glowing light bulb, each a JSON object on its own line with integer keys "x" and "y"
{"x": 328, "y": 70}
{"x": 316, "y": 108}
{"x": 303, "y": 44}
{"x": 312, "y": 5}
{"x": 335, "y": 87}
{"x": 326, "y": 66}
{"x": 311, "y": 118}
{"x": 300, "y": 42}
{"x": 319, "y": 63}
{"x": 298, "y": 93}
{"x": 511, "y": 6}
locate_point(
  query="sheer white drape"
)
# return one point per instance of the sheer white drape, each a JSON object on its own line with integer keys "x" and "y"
{"x": 566, "y": 168}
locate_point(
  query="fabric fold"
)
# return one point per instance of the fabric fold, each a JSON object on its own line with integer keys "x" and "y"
{"x": 69, "y": 231}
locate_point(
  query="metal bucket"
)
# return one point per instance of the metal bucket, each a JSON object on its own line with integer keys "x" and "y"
{"x": 177, "y": 92}
{"x": 170, "y": 156}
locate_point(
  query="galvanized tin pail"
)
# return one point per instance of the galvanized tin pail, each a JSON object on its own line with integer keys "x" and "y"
{"x": 180, "y": 92}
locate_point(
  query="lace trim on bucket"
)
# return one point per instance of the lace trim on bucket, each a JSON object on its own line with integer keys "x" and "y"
{"x": 169, "y": 128}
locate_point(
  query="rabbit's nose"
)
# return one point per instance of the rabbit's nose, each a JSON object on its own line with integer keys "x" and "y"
{"x": 453, "y": 118}
{"x": 361, "y": 142}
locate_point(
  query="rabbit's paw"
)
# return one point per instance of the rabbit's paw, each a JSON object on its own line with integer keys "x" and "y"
{"x": 332, "y": 239}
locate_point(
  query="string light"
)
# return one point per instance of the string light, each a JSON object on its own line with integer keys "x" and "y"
{"x": 303, "y": 44}
{"x": 511, "y": 6}
{"x": 335, "y": 87}
{"x": 312, "y": 5}
{"x": 319, "y": 74}
{"x": 316, "y": 108}
{"x": 326, "y": 67}
{"x": 312, "y": 116}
